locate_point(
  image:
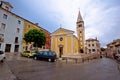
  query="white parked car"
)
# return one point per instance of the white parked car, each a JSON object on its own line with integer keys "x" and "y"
{"x": 2, "y": 56}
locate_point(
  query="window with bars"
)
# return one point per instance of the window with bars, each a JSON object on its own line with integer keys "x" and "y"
{"x": 4, "y": 16}
{"x": 18, "y": 30}
{"x": 3, "y": 27}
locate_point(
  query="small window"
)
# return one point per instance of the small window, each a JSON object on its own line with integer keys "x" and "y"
{"x": 26, "y": 48}
{"x": 7, "y": 8}
{"x": 89, "y": 45}
{"x": 0, "y": 45}
{"x": 28, "y": 26}
{"x": 80, "y": 25}
{"x": 92, "y": 44}
{"x": 89, "y": 50}
{"x": 16, "y": 39}
{"x": 4, "y": 16}
{"x": 18, "y": 30}
{"x": 19, "y": 22}
{"x": 1, "y": 37}
{"x": 93, "y": 50}
{"x": 3, "y": 27}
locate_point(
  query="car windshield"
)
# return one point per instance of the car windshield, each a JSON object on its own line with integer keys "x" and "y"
{"x": 1, "y": 52}
{"x": 26, "y": 51}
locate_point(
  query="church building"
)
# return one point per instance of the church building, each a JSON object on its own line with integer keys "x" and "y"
{"x": 64, "y": 42}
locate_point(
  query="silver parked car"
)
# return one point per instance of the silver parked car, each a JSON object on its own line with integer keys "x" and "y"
{"x": 2, "y": 56}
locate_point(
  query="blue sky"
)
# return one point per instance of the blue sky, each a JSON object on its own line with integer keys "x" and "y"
{"x": 101, "y": 17}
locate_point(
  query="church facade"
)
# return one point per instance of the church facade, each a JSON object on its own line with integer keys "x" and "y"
{"x": 64, "y": 42}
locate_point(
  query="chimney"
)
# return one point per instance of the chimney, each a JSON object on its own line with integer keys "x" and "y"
{"x": 37, "y": 24}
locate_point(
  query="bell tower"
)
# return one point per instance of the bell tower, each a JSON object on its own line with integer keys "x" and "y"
{"x": 80, "y": 33}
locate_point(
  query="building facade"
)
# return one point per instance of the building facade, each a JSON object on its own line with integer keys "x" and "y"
{"x": 92, "y": 46}
{"x": 64, "y": 42}
{"x": 11, "y": 29}
{"x": 29, "y": 26}
{"x": 113, "y": 47}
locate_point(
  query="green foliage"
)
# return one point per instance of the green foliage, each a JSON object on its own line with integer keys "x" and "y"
{"x": 35, "y": 36}
{"x": 103, "y": 49}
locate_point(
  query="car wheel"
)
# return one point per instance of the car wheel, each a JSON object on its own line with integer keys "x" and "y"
{"x": 35, "y": 58}
{"x": 4, "y": 57}
{"x": 2, "y": 61}
{"x": 49, "y": 60}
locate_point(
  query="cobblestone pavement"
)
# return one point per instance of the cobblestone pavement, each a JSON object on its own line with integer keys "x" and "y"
{"x": 20, "y": 68}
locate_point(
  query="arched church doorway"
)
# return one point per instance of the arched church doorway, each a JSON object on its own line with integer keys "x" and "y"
{"x": 81, "y": 51}
{"x": 60, "y": 51}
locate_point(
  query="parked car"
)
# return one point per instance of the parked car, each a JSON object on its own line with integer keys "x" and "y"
{"x": 28, "y": 54}
{"x": 2, "y": 56}
{"x": 45, "y": 55}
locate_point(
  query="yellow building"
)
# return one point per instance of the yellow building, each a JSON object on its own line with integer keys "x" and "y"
{"x": 64, "y": 42}
{"x": 28, "y": 26}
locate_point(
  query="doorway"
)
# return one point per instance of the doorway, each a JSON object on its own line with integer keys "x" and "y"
{"x": 8, "y": 47}
{"x": 81, "y": 51}
{"x": 16, "y": 48}
{"x": 60, "y": 51}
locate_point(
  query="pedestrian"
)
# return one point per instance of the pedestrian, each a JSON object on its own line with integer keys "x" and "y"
{"x": 106, "y": 54}
{"x": 100, "y": 55}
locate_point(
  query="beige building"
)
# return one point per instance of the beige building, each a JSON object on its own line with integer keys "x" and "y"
{"x": 92, "y": 46}
{"x": 113, "y": 47}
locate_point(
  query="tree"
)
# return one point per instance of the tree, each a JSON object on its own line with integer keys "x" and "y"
{"x": 103, "y": 49}
{"x": 36, "y": 36}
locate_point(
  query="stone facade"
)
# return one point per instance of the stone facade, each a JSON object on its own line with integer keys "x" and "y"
{"x": 113, "y": 47}
{"x": 92, "y": 46}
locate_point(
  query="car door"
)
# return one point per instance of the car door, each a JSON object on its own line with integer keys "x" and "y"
{"x": 45, "y": 55}
{"x": 39, "y": 55}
